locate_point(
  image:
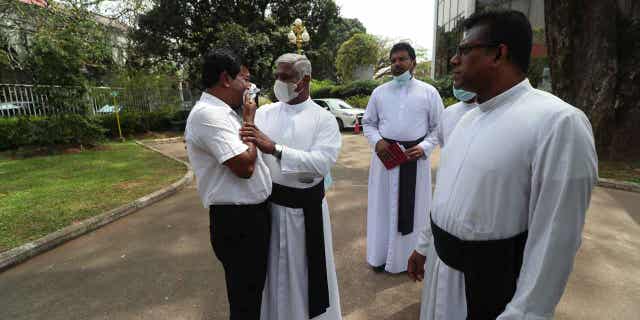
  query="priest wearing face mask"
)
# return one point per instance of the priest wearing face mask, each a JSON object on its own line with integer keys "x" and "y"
{"x": 302, "y": 141}
{"x": 406, "y": 111}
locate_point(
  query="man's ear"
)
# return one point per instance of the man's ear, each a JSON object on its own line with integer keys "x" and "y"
{"x": 502, "y": 52}
{"x": 224, "y": 80}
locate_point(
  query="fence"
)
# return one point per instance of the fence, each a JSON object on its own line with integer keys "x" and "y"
{"x": 33, "y": 100}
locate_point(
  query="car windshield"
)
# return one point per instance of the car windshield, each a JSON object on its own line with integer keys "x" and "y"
{"x": 342, "y": 105}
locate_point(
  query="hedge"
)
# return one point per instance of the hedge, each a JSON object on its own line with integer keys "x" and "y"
{"x": 72, "y": 129}
{"x": 69, "y": 129}
{"x": 139, "y": 122}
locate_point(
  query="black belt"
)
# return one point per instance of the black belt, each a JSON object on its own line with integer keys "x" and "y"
{"x": 407, "y": 189}
{"x": 310, "y": 201}
{"x": 491, "y": 269}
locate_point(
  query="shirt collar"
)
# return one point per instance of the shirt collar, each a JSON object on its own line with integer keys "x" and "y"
{"x": 298, "y": 105}
{"x": 512, "y": 92}
{"x": 214, "y": 101}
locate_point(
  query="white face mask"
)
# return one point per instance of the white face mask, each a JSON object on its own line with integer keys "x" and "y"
{"x": 285, "y": 91}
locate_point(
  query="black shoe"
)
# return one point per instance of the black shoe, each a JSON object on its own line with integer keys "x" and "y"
{"x": 378, "y": 269}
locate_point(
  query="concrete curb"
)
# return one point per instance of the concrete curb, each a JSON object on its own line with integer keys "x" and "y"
{"x": 620, "y": 185}
{"x": 165, "y": 140}
{"x": 22, "y": 253}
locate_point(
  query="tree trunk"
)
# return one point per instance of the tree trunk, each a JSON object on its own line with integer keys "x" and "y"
{"x": 594, "y": 51}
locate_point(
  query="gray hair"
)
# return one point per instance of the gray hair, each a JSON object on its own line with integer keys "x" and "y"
{"x": 300, "y": 63}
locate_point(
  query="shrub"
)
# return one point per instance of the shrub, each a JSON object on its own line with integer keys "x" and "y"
{"x": 449, "y": 101}
{"x": 359, "y": 101}
{"x": 67, "y": 129}
{"x": 140, "y": 122}
{"x": 344, "y": 91}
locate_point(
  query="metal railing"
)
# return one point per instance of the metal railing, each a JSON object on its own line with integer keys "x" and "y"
{"x": 34, "y": 100}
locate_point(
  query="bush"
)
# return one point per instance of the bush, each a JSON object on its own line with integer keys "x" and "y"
{"x": 449, "y": 101}
{"x": 140, "y": 122}
{"x": 68, "y": 129}
{"x": 359, "y": 101}
{"x": 344, "y": 91}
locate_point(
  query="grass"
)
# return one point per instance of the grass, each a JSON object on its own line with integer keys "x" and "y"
{"x": 43, "y": 194}
{"x": 628, "y": 171}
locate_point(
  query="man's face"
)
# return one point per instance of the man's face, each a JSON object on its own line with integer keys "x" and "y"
{"x": 239, "y": 85}
{"x": 473, "y": 64}
{"x": 401, "y": 62}
{"x": 286, "y": 73}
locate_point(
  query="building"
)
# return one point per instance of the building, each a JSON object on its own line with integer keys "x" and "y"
{"x": 448, "y": 32}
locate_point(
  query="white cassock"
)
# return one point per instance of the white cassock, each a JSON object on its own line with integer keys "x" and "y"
{"x": 311, "y": 141}
{"x": 524, "y": 160}
{"x": 402, "y": 113}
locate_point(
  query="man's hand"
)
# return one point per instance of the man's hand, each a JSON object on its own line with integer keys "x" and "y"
{"x": 414, "y": 152}
{"x": 250, "y": 133}
{"x": 248, "y": 109}
{"x": 415, "y": 266}
{"x": 381, "y": 150}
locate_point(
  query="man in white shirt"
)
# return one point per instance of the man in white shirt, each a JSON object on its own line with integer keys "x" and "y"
{"x": 513, "y": 187}
{"x": 303, "y": 142}
{"x": 233, "y": 180}
{"x": 407, "y": 111}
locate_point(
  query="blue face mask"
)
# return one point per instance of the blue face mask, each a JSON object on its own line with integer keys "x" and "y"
{"x": 463, "y": 95}
{"x": 403, "y": 78}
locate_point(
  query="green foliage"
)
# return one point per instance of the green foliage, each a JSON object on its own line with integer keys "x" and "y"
{"x": 139, "y": 122}
{"x": 360, "y": 50}
{"x": 263, "y": 100}
{"x": 359, "y": 101}
{"x": 256, "y": 29}
{"x": 449, "y": 101}
{"x": 328, "y": 90}
{"x": 62, "y": 44}
{"x": 67, "y": 129}
{"x": 443, "y": 85}
{"x": 73, "y": 129}
{"x": 422, "y": 70}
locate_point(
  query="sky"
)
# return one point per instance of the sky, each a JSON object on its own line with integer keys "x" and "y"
{"x": 395, "y": 19}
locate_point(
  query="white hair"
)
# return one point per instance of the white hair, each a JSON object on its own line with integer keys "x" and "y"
{"x": 300, "y": 63}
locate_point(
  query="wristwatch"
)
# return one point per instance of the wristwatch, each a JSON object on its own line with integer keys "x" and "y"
{"x": 277, "y": 152}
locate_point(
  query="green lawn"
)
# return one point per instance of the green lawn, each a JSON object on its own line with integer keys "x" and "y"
{"x": 40, "y": 195}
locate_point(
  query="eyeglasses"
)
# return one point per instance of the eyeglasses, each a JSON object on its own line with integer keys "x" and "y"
{"x": 465, "y": 49}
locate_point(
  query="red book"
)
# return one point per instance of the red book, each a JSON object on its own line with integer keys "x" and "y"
{"x": 397, "y": 156}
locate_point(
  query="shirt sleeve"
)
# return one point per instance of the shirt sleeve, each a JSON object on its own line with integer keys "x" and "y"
{"x": 370, "y": 120}
{"x": 322, "y": 155}
{"x": 219, "y": 137}
{"x": 564, "y": 171}
{"x": 434, "y": 115}
{"x": 424, "y": 238}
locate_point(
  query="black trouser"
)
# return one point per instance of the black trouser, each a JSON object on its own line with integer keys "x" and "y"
{"x": 240, "y": 240}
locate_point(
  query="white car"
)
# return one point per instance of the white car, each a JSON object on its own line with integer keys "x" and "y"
{"x": 346, "y": 115}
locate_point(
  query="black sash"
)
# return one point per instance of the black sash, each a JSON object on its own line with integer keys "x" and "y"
{"x": 310, "y": 201}
{"x": 407, "y": 189}
{"x": 491, "y": 269}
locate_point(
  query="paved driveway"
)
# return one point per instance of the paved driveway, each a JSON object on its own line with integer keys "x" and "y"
{"x": 157, "y": 263}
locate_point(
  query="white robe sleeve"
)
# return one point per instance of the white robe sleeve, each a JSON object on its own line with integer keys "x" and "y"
{"x": 424, "y": 238}
{"x": 435, "y": 113}
{"x": 370, "y": 120}
{"x": 564, "y": 171}
{"x": 322, "y": 155}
